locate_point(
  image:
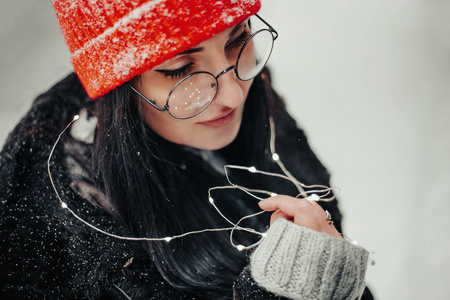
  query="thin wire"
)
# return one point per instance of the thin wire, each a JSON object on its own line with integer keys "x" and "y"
{"x": 65, "y": 206}
{"x": 123, "y": 292}
{"x": 211, "y": 201}
{"x": 275, "y": 157}
{"x": 310, "y": 195}
{"x": 305, "y": 194}
{"x": 242, "y": 247}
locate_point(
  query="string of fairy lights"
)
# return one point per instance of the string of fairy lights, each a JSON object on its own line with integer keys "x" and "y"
{"x": 309, "y": 192}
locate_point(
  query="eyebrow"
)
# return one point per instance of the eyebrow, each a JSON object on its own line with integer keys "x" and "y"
{"x": 190, "y": 51}
{"x": 199, "y": 49}
{"x": 236, "y": 28}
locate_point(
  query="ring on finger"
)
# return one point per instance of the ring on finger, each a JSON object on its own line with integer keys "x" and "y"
{"x": 328, "y": 217}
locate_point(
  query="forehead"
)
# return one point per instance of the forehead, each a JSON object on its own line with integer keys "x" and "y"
{"x": 221, "y": 37}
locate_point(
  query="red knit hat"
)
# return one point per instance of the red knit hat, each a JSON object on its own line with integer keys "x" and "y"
{"x": 112, "y": 41}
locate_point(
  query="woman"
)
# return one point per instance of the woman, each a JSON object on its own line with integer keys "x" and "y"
{"x": 140, "y": 162}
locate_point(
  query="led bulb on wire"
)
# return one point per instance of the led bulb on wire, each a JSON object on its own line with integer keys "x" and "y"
{"x": 313, "y": 197}
{"x": 252, "y": 169}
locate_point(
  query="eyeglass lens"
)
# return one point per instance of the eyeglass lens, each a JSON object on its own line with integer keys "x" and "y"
{"x": 194, "y": 93}
{"x": 254, "y": 55}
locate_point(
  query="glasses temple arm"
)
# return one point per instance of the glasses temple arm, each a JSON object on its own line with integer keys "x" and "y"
{"x": 151, "y": 102}
{"x": 270, "y": 27}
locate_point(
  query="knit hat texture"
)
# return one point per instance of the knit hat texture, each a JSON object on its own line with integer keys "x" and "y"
{"x": 112, "y": 41}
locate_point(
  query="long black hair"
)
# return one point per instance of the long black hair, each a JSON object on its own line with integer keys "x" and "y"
{"x": 158, "y": 188}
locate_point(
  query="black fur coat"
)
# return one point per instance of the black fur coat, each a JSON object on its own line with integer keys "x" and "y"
{"x": 45, "y": 253}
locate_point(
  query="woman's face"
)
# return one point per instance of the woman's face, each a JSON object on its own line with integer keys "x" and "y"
{"x": 218, "y": 125}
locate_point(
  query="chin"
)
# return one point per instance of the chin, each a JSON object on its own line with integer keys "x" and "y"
{"x": 218, "y": 141}
{"x": 216, "y": 145}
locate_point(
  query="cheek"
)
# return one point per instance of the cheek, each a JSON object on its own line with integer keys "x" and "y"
{"x": 245, "y": 87}
{"x": 160, "y": 122}
{"x": 187, "y": 132}
{"x": 156, "y": 89}
{"x": 176, "y": 131}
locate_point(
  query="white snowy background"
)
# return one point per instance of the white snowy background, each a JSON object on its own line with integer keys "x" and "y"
{"x": 367, "y": 80}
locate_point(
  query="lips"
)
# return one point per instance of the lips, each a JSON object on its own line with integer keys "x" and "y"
{"x": 221, "y": 120}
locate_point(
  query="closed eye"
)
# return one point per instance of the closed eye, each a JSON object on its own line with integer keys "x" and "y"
{"x": 177, "y": 73}
{"x": 240, "y": 40}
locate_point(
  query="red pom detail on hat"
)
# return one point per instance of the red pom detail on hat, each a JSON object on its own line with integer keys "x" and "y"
{"x": 113, "y": 41}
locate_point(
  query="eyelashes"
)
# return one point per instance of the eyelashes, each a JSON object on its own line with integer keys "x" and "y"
{"x": 183, "y": 71}
{"x": 177, "y": 72}
{"x": 240, "y": 40}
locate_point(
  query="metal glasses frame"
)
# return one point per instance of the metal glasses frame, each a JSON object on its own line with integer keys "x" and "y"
{"x": 216, "y": 84}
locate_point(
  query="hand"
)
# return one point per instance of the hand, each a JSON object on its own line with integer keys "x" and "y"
{"x": 302, "y": 212}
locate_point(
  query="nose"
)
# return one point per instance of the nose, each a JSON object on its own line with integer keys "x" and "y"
{"x": 230, "y": 93}
{"x": 233, "y": 67}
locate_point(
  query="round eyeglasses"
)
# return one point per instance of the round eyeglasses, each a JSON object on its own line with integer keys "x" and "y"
{"x": 194, "y": 93}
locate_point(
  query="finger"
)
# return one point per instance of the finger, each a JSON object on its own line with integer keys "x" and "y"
{"x": 279, "y": 214}
{"x": 307, "y": 216}
{"x": 301, "y": 211}
{"x": 320, "y": 213}
{"x": 330, "y": 229}
{"x": 286, "y": 204}
{"x": 268, "y": 204}
{"x": 326, "y": 226}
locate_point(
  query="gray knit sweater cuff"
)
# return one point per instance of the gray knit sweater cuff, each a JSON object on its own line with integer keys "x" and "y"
{"x": 300, "y": 263}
